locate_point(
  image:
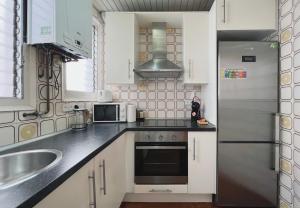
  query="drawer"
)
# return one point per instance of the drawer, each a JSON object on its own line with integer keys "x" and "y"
{"x": 168, "y": 189}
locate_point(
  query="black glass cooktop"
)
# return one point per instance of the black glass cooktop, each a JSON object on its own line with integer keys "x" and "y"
{"x": 163, "y": 123}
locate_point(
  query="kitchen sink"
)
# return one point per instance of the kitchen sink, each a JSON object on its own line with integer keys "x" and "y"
{"x": 18, "y": 167}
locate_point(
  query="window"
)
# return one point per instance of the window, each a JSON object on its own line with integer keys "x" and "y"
{"x": 17, "y": 77}
{"x": 10, "y": 49}
{"x": 81, "y": 77}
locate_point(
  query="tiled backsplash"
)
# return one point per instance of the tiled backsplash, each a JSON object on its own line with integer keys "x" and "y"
{"x": 289, "y": 25}
{"x": 14, "y": 127}
{"x": 160, "y": 98}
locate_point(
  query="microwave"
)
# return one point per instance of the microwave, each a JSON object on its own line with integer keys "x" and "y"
{"x": 110, "y": 112}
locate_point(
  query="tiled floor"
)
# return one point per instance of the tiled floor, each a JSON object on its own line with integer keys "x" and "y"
{"x": 166, "y": 205}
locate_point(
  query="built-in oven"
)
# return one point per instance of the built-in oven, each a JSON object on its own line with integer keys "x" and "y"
{"x": 161, "y": 157}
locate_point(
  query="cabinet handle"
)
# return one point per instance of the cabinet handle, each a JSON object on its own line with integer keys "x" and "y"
{"x": 92, "y": 177}
{"x": 224, "y": 11}
{"x": 190, "y": 65}
{"x": 194, "y": 149}
{"x": 160, "y": 191}
{"x": 104, "y": 177}
{"x": 129, "y": 64}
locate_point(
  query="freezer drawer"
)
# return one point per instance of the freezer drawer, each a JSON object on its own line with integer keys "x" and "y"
{"x": 246, "y": 175}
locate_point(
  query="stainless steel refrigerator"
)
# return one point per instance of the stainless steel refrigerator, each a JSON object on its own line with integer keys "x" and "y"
{"x": 248, "y": 124}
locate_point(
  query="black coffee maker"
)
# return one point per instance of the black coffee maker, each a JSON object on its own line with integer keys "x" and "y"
{"x": 195, "y": 114}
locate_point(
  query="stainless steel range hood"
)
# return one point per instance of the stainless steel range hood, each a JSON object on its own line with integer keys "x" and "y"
{"x": 159, "y": 66}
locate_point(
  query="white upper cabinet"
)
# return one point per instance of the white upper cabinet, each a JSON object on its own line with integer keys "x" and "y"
{"x": 202, "y": 157}
{"x": 195, "y": 47}
{"x": 120, "y": 47}
{"x": 247, "y": 14}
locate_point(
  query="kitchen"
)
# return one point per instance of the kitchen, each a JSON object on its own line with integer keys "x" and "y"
{"x": 149, "y": 103}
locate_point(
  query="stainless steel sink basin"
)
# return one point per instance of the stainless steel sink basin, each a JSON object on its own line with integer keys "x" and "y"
{"x": 20, "y": 166}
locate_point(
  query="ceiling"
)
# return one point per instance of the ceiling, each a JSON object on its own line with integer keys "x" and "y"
{"x": 153, "y": 5}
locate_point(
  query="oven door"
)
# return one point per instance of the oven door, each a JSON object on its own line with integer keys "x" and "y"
{"x": 161, "y": 163}
{"x": 106, "y": 113}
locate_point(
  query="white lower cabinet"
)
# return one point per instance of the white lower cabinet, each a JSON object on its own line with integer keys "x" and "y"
{"x": 101, "y": 183}
{"x": 104, "y": 181}
{"x": 110, "y": 175}
{"x": 202, "y": 156}
{"x": 77, "y": 191}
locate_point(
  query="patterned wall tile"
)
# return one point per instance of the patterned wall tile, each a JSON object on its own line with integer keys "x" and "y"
{"x": 297, "y": 76}
{"x": 286, "y": 64}
{"x": 286, "y": 49}
{"x": 297, "y": 173}
{"x": 286, "y": 107}
{"x": 283, "y": 204}
{"x": 285, "y": 93}
{"x": 7, "y": 135}
{"x": 297, "y": 141}
{"x": 47, "y": 127}
{"x": 296, "y": 202}
{"x": 286, "y": 78}
{"x": 286, "y": 180}
{"x": 286, "y": 152}
{"x": 286, "y": 35}
{"x": 286, "y": 21}
{"x": 286, "y": 166}
{"x": 286, "y": 194}
{"x": 28, "y": 131}
{"x": 61, "y": 124}
{"x": 7, "y": 117}
{"x": 296, "y": 187}
{"x": 286, "y": 122}
{"x": 296, "y": 60}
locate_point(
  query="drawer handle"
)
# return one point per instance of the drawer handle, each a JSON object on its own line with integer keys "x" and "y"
{"x": 160, "y": 191}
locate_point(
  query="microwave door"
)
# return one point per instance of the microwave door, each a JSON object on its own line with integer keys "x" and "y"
{"x": 105, "y": 113}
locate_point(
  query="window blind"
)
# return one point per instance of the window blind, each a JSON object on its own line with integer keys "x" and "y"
{"x": 82, "y": 75}
{"x": 10, "y": 49}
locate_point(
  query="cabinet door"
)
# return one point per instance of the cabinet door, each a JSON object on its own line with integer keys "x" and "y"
{"x": 195, "y": 47}
{"x": 129, "y": 163}
{"x": 76, "y": 192}
{"x": 120, "y": 38}
{"x": 110, "y": 175}
{"x": 247, "y": 14}
{"x": 202, "y": 162}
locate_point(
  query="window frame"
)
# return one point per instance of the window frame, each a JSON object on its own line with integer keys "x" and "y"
{"x": 69, "y": 95}
{"x": 28, "y": 100}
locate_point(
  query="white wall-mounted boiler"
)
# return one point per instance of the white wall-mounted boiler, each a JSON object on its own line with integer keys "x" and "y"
{"x": 67, "y": 24}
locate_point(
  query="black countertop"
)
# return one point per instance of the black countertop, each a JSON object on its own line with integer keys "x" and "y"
{"x": 78, "y": 147}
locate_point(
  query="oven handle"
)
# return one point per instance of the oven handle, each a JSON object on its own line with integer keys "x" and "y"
{"x": 160, "y": 147}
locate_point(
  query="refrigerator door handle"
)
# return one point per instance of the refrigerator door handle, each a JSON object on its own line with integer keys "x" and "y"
{"x": 277, "y": 128}
{"x": 276, "y": 158}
